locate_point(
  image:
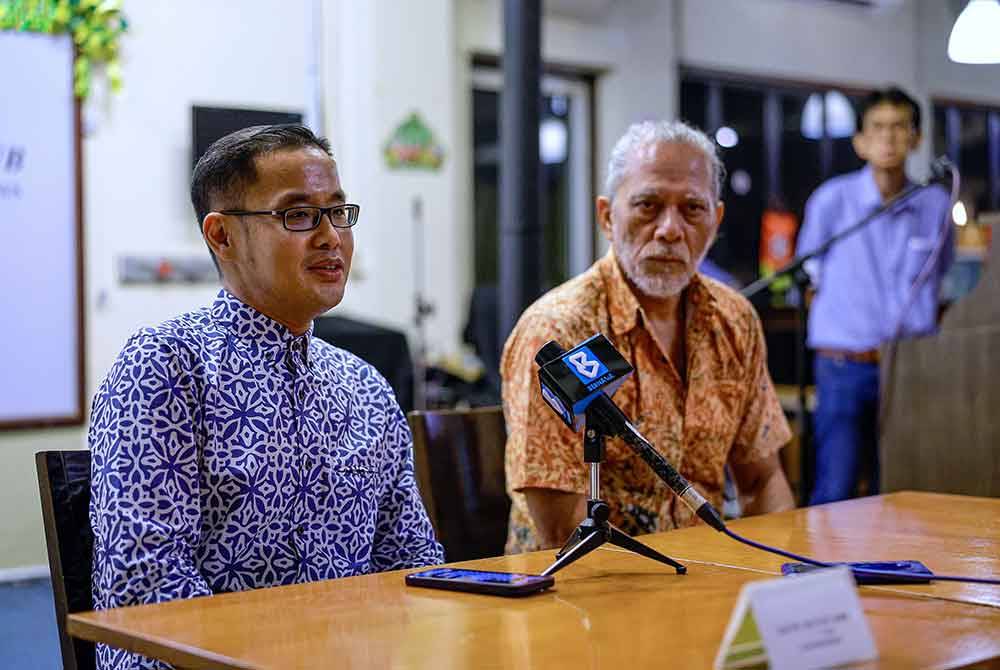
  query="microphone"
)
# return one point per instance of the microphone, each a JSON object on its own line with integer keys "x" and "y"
{"x": 942, "y": 169}
{"x": 572, "y": 380}
{"x": 575, "y": 384}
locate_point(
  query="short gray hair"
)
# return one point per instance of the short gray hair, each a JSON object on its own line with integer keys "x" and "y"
{"x": 644, "y": 133}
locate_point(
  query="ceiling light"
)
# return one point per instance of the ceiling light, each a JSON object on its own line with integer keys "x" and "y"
{"x": 959, "y": 215}
{"x": 974, "y": 36}
{"x": 839, "y": 116}
{"x": 553, "y": 141}
{"x": 727, "y": 137}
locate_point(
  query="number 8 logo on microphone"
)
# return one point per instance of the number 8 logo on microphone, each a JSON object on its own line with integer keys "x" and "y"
{"x": 585, "y": 365}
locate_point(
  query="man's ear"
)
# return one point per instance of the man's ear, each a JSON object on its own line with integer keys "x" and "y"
{"x": 603, "y": 209}
{"x": 217, "y": 235}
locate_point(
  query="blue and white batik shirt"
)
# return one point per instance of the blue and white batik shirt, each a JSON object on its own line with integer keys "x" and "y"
{"x": 231, "y": 454}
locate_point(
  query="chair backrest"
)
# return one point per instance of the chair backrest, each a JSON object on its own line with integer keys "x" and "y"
{"x": 459, "y": 462}
{"x": 386, "y": 349}
{"x": 64, "y": 484}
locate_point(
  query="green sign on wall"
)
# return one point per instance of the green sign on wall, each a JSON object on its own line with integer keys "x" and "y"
{"x": 412, "y": 145}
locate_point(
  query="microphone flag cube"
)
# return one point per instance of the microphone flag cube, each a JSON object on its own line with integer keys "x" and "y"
{"x": 573, "y": 380}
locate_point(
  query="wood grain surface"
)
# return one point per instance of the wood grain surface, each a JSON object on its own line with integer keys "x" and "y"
{"x": 609, "y": 610}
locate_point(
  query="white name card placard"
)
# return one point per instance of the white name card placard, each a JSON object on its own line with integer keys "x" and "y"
{"x": 798, "y": 623}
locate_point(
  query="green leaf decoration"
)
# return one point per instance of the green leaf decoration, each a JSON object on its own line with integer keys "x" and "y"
{"x": 96, "y": 27}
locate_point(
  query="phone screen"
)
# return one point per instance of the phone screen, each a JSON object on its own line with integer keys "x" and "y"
{"x": 480, "y": 576}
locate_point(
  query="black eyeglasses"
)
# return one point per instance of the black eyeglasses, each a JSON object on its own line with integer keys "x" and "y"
{"x": 300, "y": 219}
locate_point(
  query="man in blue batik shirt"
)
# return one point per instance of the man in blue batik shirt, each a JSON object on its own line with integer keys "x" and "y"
{"x": 865, "y": 286}
{"x": 230, "y": 449}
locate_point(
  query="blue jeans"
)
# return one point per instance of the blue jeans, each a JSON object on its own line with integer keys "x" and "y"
{"x": 846, "y": 428}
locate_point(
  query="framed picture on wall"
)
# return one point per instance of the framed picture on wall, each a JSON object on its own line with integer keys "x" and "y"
{"x": 41, "y": 259}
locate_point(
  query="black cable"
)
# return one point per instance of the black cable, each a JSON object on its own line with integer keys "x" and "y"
{"x": 914, "y": 576}
{"x": 707, "y": 513}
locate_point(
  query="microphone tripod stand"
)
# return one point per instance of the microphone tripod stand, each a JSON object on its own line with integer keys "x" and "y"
{"x": 796, "y": 270}
{"x": 595, "y": 530}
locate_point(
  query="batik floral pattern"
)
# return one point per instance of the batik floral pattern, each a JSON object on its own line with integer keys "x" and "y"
{"x": 230, "y": 454}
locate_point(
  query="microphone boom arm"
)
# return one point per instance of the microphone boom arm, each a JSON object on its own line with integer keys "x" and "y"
{"x": 794, "y": 265}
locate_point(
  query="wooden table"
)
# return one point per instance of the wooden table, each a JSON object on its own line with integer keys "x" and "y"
{"x": 609, "y": 610}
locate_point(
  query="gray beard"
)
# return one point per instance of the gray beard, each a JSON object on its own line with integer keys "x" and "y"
{"x": 658, "y": 286}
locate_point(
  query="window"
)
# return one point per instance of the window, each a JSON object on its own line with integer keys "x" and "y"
{"x": 566, "y": 176}
{"x": 970, "y": 136}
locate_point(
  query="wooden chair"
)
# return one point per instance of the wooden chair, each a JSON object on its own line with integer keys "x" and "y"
{"x": 64, "y": 484}
{"x": 459, "y": 462}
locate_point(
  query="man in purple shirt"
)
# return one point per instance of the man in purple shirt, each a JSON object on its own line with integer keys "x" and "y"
{"x": 865, "y": 286}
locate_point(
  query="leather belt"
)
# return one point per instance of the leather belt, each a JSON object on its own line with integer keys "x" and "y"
{"x": 870, "y": 356}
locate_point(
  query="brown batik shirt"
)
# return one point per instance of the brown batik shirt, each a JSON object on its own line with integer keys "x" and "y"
{"x": 726, "y": 409}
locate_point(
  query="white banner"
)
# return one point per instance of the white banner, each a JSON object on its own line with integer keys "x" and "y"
{"x": 39, "y": 338}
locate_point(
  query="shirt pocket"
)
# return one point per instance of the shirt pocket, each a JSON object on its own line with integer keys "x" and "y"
{"x": 713, "y": 418}
{"x": 354, "y": 501}
{"x": 918, "y": 251}
{"x": 921, "y": 309}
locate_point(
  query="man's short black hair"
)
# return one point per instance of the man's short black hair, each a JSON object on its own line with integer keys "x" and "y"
{"x": 228, "y": 166}
{"x": 893, "y": 96}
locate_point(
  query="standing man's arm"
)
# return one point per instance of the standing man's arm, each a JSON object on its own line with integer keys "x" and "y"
{"x": 404, "y": 536}
{"x": 814, "y": 232}
{"x": 815, "y": 228}
{"x": 145, "y": 509}
{"x": 763, "y": 432}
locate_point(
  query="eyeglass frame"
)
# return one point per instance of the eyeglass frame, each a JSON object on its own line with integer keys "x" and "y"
{"x": 283, "y": 214}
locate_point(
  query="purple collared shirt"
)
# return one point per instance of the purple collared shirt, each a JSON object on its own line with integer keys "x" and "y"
{"x": 864, "y": 281}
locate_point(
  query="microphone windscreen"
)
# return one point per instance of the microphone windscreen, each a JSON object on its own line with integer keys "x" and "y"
{"x": 548, "y": 353}
{"x": 941, "y": 168}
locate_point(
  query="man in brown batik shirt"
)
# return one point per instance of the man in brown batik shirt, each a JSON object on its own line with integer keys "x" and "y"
{"x": 700, "y": 393}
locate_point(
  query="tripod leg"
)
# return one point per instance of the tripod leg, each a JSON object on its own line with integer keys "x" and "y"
{"x": 622, "y": 540}
{"x": 591, "y": 541}
{"x": 573, "y": 540}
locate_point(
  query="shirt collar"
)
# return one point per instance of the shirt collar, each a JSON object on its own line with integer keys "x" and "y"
{"x": 623, "y": 306}
{"x": 624, "y": 309}
{"x": 245, "y": 323}
{"x": 868, "y": 194}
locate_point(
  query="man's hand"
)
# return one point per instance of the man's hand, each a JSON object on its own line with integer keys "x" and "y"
{"x": 763, "y": 486}
{"x": 556, "y": 514}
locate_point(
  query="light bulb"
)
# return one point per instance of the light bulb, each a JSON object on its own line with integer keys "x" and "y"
{"x": 959, "y": 215}
{"x": 974, "y": 38}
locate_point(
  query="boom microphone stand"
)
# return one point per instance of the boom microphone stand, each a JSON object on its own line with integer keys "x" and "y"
{"x": 595, "y": 530}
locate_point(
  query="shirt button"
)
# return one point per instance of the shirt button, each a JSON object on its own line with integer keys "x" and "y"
{"x": 302, "y": 394}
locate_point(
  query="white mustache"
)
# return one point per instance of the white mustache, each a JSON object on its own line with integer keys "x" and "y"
{"x": 663, "y": 254}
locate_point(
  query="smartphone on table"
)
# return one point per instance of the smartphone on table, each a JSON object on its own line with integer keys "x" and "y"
{"x": 480, "y": 581}
{"x": 906, "y": 572}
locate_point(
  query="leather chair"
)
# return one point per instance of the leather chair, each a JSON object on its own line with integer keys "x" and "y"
{"x": 459, "y": 463}
{"x": 64, "y": 484}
